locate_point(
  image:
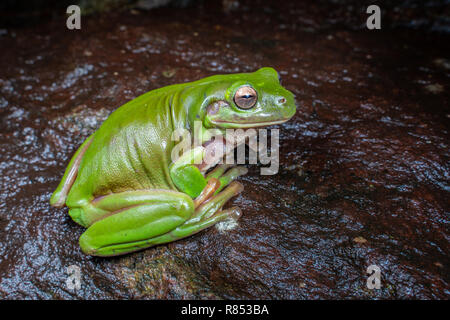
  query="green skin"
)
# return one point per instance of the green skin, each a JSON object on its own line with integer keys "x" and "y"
{"x": 121, "y": 183}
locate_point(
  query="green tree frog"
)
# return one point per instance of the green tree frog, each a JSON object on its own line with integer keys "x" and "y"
{"x": 122, "y": 185}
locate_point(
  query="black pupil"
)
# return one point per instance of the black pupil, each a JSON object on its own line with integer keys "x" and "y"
{"x": 247, "y": 96}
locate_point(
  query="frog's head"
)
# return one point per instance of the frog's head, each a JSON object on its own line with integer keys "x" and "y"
{"x": 246, "y": 100}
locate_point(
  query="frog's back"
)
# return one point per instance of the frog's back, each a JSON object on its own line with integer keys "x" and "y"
{"x": 130, "y": 151}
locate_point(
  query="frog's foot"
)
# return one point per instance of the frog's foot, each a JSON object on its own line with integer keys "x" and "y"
{"x": 214, "y": 204}
{"x": 217, "y": 180}
{"x": 189, "y": 229}
{"x": 212, "y": 185}
{"x": 226, "y": 173}
{"x": 208, "y": 214}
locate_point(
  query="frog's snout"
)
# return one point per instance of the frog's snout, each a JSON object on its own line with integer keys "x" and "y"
{"x": 287, "y": 107}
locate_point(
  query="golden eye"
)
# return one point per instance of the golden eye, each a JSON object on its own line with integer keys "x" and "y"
{"x": 245, "y": 97}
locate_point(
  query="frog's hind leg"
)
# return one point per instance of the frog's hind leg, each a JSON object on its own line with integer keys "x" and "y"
{"x": 59, "y": 196}
{"x": 151, "y": 218}
{"x": 132, "y": 219}
{"x": 213, "y": 205}
{"x": 207, "y": 214}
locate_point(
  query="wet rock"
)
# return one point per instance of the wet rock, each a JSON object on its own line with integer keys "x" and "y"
{"x": 435, "y": 88}
{"x": 359, "y": 240}
{"x": 364, "y": 176}
{"x": 164, "y": 275}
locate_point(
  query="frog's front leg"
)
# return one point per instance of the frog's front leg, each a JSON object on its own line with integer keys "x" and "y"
{"x": 189, "y": 178}
{"x": 185, "y": 175}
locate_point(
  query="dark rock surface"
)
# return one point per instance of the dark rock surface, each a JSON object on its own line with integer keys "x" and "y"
{"x": 364, "y": 175}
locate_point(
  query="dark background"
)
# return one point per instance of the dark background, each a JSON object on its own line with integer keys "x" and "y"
{"x": 364, "y": 164}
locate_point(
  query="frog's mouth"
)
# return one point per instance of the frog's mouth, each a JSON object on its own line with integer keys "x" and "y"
{"x": 221, "y": 115}
{"x": 246, "y": 125}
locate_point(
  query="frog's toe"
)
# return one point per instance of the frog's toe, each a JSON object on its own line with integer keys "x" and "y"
{"x": 234, "y": 213}
{"x": 86, "y": 246}
{"x": 233, "y": 173}
{"x": 215, "y": 203}
{"x": 218, "y": 171}
{"x": 226, "y": 173}
{"x": 194, "y": 226}
{"x": 211, "y": 187}
{"x": 230, "y": 175}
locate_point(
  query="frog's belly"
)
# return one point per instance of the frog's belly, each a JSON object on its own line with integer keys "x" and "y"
{"x": 130, "y": 173}
{"x": 119, "y": 167}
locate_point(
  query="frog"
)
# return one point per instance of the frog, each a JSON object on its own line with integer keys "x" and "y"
{"x": 122, "y": 184}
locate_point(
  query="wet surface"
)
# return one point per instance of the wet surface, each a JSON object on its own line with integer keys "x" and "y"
{"x": 364, "y": 175}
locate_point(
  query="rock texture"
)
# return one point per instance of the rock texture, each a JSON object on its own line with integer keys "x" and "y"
{"x": 364, "y": 175}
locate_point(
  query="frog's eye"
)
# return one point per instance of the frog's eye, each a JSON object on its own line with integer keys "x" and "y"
{"x": 245, "y": 97}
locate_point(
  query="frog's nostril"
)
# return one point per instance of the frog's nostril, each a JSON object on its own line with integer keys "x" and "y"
{"x": 213, "y": 108}
{"x": 282, "y": 100}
